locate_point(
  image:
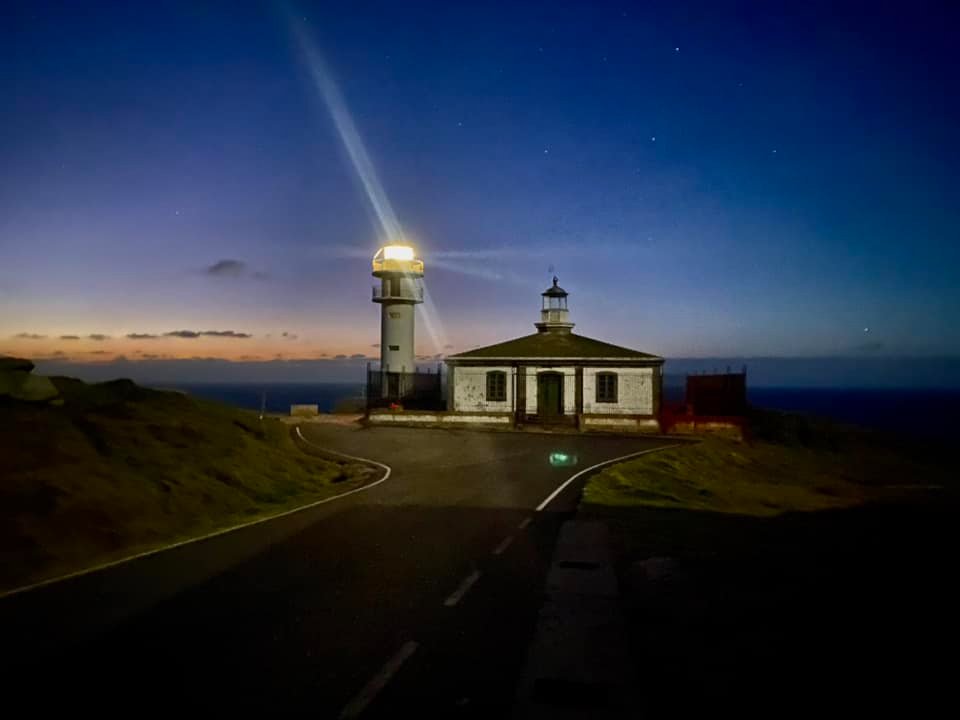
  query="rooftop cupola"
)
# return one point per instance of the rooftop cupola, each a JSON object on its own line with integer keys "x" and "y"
{"x": 554, "y": 315}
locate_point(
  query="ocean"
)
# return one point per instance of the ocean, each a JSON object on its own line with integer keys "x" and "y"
{"x": 278, "y": 396}
{"x": 922, "y": 412}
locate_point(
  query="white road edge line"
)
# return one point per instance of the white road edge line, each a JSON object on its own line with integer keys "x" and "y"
{"x": 504, "y": 544}
{"x": 379, "y": 681}
{"x": 526, "y": 521}
{"x": 129, "y": 558}
{"x": 573, "y": 477}
{"x": 462, "y": 590}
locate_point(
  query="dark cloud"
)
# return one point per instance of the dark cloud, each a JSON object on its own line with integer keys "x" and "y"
{"x": 872, "y": 347}
{"x": 97, "y": 352}
{"x": 142, "y": 336}
{"x": 339, "y": 357}
{"x": 29, "y": 336}
{"x": 448, "y": 346}
{"x": 98, "y": 337}
{"x": 375, "y": 345}
{"x": 227, "y": 268}
{"x": 288, "y": 336}
{"x": 355, "y": 356}
{"x": 192, "y": 334}
{"x": 226, "y": 333}
{"x": 69, "y": 337}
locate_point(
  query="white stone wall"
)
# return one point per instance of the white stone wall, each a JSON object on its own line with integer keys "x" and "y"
{"x": 413, "y": 418}
{"x": 634, "y": 391}
{"x": 470, "y": 390}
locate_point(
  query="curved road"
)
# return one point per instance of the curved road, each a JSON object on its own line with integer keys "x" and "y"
{"x": 420, "y": 593}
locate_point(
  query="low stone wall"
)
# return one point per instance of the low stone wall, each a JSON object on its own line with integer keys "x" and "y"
{"x": 725, "y": 428}
{"x": 304, "y": 410}
{"x": 415, "y": 418}
{"x": 606, "y": 423}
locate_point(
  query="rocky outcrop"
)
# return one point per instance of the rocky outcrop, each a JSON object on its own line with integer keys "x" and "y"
{"x": 18, "y": 382}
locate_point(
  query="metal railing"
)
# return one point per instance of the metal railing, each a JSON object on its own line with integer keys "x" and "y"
{"x": 413, "y": 294}
{"x": 416, "y": 390}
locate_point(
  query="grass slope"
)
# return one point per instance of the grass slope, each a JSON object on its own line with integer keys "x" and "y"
{"x": 793, "y": 464}
{"x": 119, "y": 469}
{"x": 734, "y": 604}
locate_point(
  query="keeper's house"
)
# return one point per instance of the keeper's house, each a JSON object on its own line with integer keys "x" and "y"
{"x": 556, "y": 377}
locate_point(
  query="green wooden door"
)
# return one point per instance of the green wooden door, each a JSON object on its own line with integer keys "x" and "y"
{"x": 549, "y": 396}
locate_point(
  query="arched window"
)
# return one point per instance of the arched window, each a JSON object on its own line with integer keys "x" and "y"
{"x": 496, "y": 386}
{"x": 606, "y": 387}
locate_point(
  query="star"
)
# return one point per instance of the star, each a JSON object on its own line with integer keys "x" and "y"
{"x": 653, "y": 139}
{"x": 546, "y": 151}
{"x": 459, "y": 124}
{"x": 774, "y": 152}
{"x": 676, "y": 49}
{"x": 866, "y": 330}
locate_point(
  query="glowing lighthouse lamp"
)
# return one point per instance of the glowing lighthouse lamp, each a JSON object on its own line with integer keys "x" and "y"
{"x": 399, "y": 272}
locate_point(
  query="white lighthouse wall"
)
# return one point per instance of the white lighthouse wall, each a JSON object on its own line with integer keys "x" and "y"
{"x": 470, "y": 390}
{"x": 396, "y": 331}
{"x": 634, "y": 392}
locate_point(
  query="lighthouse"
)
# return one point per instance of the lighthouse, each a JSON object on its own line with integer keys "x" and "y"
{"x": 399, "y": 272}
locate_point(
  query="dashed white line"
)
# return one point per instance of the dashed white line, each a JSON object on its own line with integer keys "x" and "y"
{"x": 573, "y": 477}
{"x": 463, "y": 589}
{"x": 504, "y": 544}
{"x": 379, "y": 681}
{"x": 524, "y": 523}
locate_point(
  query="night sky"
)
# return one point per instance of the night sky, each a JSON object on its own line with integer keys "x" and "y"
{"x": 706, "y": 179}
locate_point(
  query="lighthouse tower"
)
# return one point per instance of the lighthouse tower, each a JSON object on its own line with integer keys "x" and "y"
{"x": 399, "y": 272}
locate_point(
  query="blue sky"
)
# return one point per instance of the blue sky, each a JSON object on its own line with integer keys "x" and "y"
{"x": 707, "y": 179}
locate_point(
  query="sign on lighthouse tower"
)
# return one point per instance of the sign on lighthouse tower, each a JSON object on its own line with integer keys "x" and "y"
{"x": 399, "y": 272}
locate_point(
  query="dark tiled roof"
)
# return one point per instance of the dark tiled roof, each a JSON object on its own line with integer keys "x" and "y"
{"x": 555, "y": 290}
{"x": 553, "y": 345}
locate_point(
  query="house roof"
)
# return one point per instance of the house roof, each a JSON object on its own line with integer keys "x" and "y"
{"x": 553, "y": 345}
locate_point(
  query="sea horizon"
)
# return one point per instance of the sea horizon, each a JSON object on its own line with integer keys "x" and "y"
{"x": 915, "y": 411}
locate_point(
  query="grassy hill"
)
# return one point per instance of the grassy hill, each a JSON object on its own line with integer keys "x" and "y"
{"x": 113, "y": 468}
{"x": 791, "y": 463}
{"x": 810, "y": 565}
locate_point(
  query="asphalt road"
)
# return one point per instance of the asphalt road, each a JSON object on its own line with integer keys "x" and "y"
{"x": 418, "y": 594}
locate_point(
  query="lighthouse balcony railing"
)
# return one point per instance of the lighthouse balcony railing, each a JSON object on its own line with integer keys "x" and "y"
{"x": 413, "y": 267}
{"x": 414, "y": 294}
